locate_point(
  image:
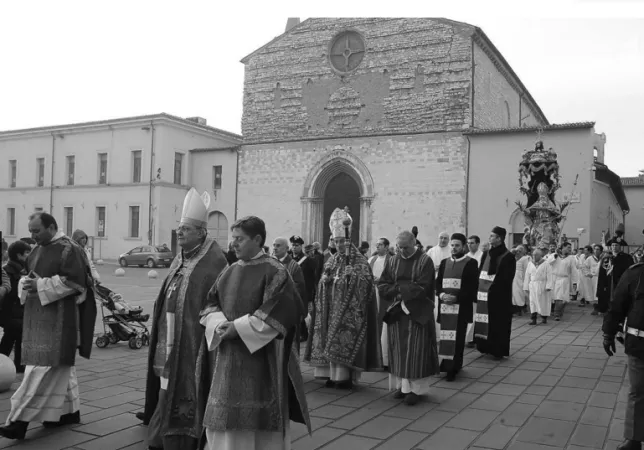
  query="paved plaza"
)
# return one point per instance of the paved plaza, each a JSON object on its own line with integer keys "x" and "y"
{"x": 558, "y": 390}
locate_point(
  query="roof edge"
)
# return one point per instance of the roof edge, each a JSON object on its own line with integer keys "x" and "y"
{"x": 550, "y": 127}
{"x": 107, "y": 122}
{"x": 479, "y": 34}
{"x": 245, "y": 59}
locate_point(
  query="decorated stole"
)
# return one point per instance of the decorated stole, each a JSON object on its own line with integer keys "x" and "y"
{"x": 481, "y": 325}
{"x": 449, "y": 313}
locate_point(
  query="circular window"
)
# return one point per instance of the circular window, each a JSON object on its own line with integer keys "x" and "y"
{"x": 346, "y": 51}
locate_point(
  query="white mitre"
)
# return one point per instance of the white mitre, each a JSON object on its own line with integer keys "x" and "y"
{"x": 336, "y": 223}
{"x": 195, "y": 208}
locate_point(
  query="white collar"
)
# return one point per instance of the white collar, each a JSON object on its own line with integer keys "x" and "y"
{"x": 408, "y": 257}
{"x": 259, "y": 255}
{"x": 283, "y": 258}
{"x": 459, "y": 259}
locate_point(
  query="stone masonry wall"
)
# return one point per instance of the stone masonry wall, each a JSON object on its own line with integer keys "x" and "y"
{"x": 418, "y": 180}
{"x": 496, "y": 102}
{"x": 415, "y": 77}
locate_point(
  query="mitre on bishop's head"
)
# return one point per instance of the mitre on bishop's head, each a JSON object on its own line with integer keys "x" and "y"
{"x": 195, "y": 208}
{"x": 336, "y": 223}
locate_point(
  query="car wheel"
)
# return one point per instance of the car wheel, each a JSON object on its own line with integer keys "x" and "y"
{"x": 123, "y": 262}
{"x": 151, "y": 264}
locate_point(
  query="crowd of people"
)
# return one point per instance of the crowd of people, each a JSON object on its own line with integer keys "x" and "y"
{"x": 230, "y": 326}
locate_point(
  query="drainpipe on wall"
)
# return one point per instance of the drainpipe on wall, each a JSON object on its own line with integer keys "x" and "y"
{"x": 150, "y": 222}
{"x": 520, "y": 112}
{"x": 467, "y": 186}
{"x": 472, "y": 81}
{"x": 51, "y": 181}
{"x": 237, "y": 180}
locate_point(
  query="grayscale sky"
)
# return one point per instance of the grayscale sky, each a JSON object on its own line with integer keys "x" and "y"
{"x": 74, "y": 61}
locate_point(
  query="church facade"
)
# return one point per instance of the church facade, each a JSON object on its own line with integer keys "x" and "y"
{"x": 371, "y": 114}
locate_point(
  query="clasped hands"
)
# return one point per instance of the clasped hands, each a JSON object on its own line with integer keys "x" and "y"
{"x": 448, "y": 299}
{"x": 30, "y": 285}
{"x": 227, "y": 331}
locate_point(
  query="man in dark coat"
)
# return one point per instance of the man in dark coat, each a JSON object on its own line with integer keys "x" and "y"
{"x": 611, "y": 268}
{"x": 12, "y": 311}
{"x": 627, "y": 305}
{"x": 493, "y": 318}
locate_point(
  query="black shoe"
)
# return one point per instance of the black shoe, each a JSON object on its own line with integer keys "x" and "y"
{"x": 544, "y": 320}
{"x": 557, "y": 319}
{"x": 471, "y": 344}
{"x": 141, "y": 417}
{"x": 329, "y": 384}
{"x": 534, "y": 319}
{"x": 66, "y": 419}
{"x": 629, "y": 444}
{"x": 451, "y": 376}
{"x": 594, "y": 313}
{"x": 399, "y": 394}
{"x": 348, "y": 384}
{"x": 15, "y": 430}
{"x": 411, "y": 399}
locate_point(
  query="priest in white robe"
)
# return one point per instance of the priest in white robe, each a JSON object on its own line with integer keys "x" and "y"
{"x": 538, "y": 284}
{"x": 564, "y": 270}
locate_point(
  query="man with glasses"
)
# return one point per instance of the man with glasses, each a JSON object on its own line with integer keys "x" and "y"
{"x": 171, "y": 400}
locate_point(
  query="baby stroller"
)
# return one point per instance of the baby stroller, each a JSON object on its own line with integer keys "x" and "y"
{"x": 125, "y": 323}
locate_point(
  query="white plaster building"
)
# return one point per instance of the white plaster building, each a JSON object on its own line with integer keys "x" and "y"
{"x": 122, "y": 181}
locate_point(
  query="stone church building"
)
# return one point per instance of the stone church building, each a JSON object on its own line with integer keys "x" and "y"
{"x": 372, "y": 114}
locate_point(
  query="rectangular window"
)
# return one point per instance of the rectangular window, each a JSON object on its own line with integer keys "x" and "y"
{"x": 178, "y": 163}
{"x": 69, "y": 221}
{"x": 134, "y": 221}
{"x": 71, "y": 167}
{"x": 11, "y": 221}
{"x": 38, "y": 209}
{"x": 216, "y": 177}
{"x": 102, "y": 168}
{"x": 100, "y": 221}
{"x": 136, "y": 166}
{"x": 40, "y": 172}
{"x": 13, "y": 172}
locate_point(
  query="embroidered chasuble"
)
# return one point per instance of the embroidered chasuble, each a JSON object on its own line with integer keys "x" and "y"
{"x": 254, "y": 380}
{"x": 493, "y": 318}
{"x": 407, "y": 291}
{"x": 459, "y": 278}
{"x": 175, "y": 341}
{"x": 343, "y": 336}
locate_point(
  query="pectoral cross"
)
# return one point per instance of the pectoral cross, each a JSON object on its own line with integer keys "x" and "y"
{"x": 171, "y": 289}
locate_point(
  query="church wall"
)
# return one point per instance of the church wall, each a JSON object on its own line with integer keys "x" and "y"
{"x": 635, "y": 218}
{"x": 497, "y": 104}
{"x": 417, "y": 180}
{"x": 606, "y": 214}
{"x": 415, "y": 77}
{"x": 494, "y": 179}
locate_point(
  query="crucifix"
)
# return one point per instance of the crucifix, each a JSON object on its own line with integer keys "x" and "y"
{"x": 172, "y": 289}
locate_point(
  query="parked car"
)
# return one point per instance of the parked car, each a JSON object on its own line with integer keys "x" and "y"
{"x": 147, "y": 255}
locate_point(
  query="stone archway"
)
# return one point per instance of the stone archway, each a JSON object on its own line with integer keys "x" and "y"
{"x": 338, "y": 161}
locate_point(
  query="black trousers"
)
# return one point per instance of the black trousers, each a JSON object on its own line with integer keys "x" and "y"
{"x": 634, "y": 421}
{"x": 12, "y": 340}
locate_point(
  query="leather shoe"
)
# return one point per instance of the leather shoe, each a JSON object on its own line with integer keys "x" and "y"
{"x": 141, "y": 416}
{"x": 399, "y": 394}
{"x": 66, "y": 419}
{"x": 411, "y": 399}
{"x": 15, "y": 430}
{"x": 629, "y": 444}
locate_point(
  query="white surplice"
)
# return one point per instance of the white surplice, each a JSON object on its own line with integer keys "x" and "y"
{"x": 590, "y": 274}
{"x": 581, "y": 287}
{"x": 377, "y": 269}
{"x": 564, "y": 271}
{"x": 255, "y": 333}
{"x": 538, "y": 279}
{"x": 518, "y": 294}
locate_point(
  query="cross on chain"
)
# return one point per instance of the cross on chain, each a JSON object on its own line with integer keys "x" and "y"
{"x": 172, "y": 289}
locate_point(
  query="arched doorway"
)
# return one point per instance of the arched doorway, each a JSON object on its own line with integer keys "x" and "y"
{"x": 218, "y": 228}
{"x": 338, "y": 179}
{"x": 517, "y": 227}
{"x": 342, "y": 191}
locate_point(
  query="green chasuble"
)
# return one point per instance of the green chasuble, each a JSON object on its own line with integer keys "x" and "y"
{"x": 263, "y": 390}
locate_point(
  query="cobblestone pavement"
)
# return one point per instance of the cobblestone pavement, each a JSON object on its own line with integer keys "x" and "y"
{"x": 558, "y": 390}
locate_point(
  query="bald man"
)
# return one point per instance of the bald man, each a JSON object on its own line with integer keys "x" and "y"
{"x": 280, "y": 252}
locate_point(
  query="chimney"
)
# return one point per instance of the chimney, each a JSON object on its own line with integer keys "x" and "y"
{"x": 198, "y": 120}
{"x": 291, "y": 22}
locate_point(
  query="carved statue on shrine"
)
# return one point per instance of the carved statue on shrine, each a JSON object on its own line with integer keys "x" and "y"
{"x": 538, "y": 181}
